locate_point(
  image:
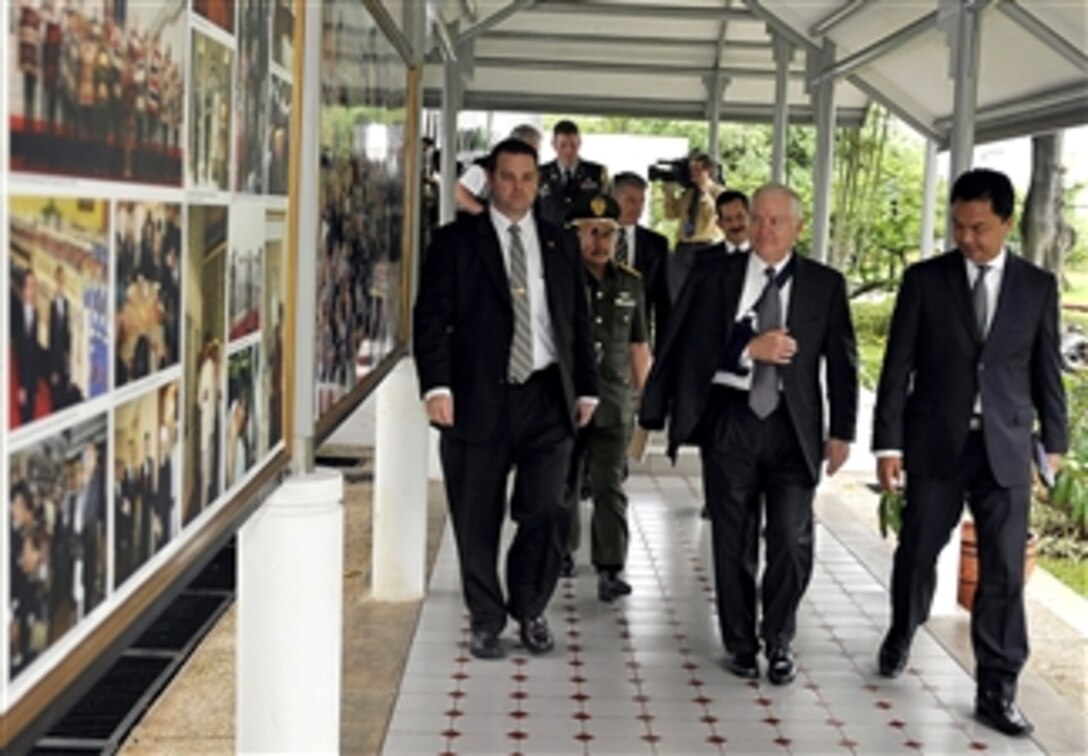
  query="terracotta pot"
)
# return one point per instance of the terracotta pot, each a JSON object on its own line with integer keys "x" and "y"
{"x": 969, "y": 563}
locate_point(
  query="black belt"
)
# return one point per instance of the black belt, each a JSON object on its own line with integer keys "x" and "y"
{"x": 551, "y": 372}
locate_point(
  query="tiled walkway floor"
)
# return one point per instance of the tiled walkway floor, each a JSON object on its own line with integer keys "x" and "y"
{"x": 644, "y": 675}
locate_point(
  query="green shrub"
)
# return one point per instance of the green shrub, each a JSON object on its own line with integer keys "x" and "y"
{"x": 1070, "y": 494}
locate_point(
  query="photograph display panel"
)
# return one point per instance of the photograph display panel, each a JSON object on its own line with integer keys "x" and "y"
{"x": 363, "y": 134}
{"x": 145, "y": 238}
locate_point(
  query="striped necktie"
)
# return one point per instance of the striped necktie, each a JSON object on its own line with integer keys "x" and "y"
{"x": 521, "y": 350}
{"x": 622, "y": 254}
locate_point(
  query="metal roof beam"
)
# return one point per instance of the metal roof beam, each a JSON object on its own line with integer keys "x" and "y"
{"x": 494, "y": 20}
{"x": 447, "y": 48}
{"x": 1052, "y": 39}
{"x": 632, "y": 10}
{"x": 633, "y": 69}
{"x": 499, "y": 35}
{"x": 881, "y": 47}
{"x": 835, "y": 17}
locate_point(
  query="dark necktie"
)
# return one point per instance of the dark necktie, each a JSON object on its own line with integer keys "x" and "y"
{"x": 622, "y": 254}
{"x": 980, "y": 300}
{"x": 763, "y": 397}
{"x": 521, "y": 350}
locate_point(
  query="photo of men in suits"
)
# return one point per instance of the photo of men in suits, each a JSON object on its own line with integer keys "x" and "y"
{"x": 59, "y": 344}
{"x": 646, "y": 250}
{"x": 506, "y": 367}
{"x": 756, "y": 344}
{"x": 57, "y": 499}
{"x": 971, "y": 364}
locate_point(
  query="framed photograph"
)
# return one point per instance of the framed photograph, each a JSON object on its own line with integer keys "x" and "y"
{"x": 205, "y": 355}
{"x": 283, "y": 34}
{"x": 59, "y": 339}
{"x": 364, "y": 126}
{"x": 97, "y": 90}
{"x": 211, "y": 66}
{"x": 219, "y": 12}
{"x": 252, "y": 95}
{"x": 147, "y": 288}
{"x": 146, "y": 478}
{"x": 57, "y": 531}
{"x": 278, "y": 136}
{"x": 245, "y": 268}
{"x": 243, "y": 410}
{"x": 270, "y": 429}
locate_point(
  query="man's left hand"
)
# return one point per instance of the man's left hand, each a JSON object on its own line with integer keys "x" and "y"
{"x": 585, "y": 412}
{"x": 1055, "y": 462}
{"x": 837, "y": 452}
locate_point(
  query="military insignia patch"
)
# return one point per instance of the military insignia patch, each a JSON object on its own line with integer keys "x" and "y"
{"x": 598, "y": 206}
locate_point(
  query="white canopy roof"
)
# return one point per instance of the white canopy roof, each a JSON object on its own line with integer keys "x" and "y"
{"x": 662, "y": 58}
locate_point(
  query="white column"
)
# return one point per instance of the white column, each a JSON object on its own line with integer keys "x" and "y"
{"x": 783, "y": 57}
{"x": 929, "y": 200}
{"x": 715, "y": 85}
{"x": 398, "y": 570}
{"x": 963, "y": 48}
{"x": 290, "y": 598}
{"x": 451, "y": 106}
{"x": 822, "y": 173}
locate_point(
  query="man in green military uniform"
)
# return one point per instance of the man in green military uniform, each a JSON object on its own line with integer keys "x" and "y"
{"x": 618, "y": 313}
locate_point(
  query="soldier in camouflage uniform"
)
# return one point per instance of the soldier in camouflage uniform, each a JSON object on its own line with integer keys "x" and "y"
{"x": 618, "y": 312}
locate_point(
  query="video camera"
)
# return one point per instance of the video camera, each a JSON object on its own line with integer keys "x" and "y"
{"x": 677, "y": 171}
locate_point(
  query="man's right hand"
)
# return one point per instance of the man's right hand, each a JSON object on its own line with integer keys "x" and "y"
{"x": 776, "y": 347}
{"x": 440, "y": 410}
{"x": 889, "y": 471}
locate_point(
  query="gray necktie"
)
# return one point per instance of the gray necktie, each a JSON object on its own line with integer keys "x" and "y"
{"x": 763, "y": 398}
{"x": 621, "y": 246}
{"x": 980, "y": 300}
{"x": 521, "y": 350}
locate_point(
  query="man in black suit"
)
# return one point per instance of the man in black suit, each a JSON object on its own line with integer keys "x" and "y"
{"x": 59, "y": 346}
{"x": 27, "y": 348}
{"x": 972, "y": 360}
{"x": 568, "y": 177}
{"x": 739, "y": 373}
{"x": 733, "y": 207}
{"x": 506, "y": 366}
{"x": 646, "y": 250}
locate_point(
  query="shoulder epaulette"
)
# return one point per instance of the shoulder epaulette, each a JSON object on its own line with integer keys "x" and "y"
{"x": 629, "y": 270}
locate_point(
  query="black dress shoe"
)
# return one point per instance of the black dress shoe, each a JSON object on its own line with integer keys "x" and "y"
{"x": 567, "y": 568}
{"x": 485, "y": 645}
{"x": 781, "y": 669}
{"x": 536, "y": 636}
{"x": 892, "y": 660}
{"x": 743, "y": 664}
{"x": 611, "y": 586}
{"x": 1002, "y": 714}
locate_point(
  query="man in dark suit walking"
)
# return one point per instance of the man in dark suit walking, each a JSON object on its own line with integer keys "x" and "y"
{"x": 59, "y": 346}
{"x": 567, "y": 178}
{"x": 506, "y": 367}
{"x": 646, "y": 250}
{"x": 28, "y": 349}
{"x": 972, "y": 360}
{"x": 739, "y": 373}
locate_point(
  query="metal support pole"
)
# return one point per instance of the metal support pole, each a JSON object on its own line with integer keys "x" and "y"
{"x": 302, "y": 443}
{"x": 783, "y": 57}
{"x": 451, "y": 106}
{"x": 415, "y": 29}
{"x": 716, "y": 90}
{"x": 929, "y": 200}
{"x": 825, "y": 157}
{"x": 964, "y": 49}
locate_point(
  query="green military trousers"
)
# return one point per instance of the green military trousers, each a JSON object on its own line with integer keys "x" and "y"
{"x": 605, "y": 451}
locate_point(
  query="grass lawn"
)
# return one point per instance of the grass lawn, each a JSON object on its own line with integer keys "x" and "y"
{"x": 1078, "y": 294}
{"x": 1071, "y": 572}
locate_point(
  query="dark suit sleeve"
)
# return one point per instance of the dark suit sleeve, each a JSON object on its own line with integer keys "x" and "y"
{"x": 662, "y": 303}
{"x": 433, "y": 315}
{"x": 585, "y": 363}
{"x": 841, "y": 353}
{"x": 1048, "y": 393}
{"x": 895, "y": 374}
{"x": 658, "y": 396}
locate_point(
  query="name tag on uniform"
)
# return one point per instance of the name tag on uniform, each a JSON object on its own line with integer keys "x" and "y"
{"x": 625, "y": 300}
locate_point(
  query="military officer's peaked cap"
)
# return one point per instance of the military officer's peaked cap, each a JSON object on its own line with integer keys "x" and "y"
{"x": 594, "y": 207}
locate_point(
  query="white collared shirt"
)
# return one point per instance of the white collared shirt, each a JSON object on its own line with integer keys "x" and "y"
{"x": 730, "y": 247}
{"x": 755, "y": 281}
{"x": 631, "y": 233}
{"x": 543, "y": 336}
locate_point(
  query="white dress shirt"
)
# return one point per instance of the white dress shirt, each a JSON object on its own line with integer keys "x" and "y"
{"x": 755, "y": 281}
{"x": 631, "y": 233}
{"x": 730, "y": 247}
{"x": 543, "y": 336}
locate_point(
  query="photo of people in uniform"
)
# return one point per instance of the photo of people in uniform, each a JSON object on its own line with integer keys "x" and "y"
{"x": 147, "y": 475}
{"x": 271, "y": 427}
{"x": 362, "y": 177}
{"x": 100, "y": 90}
{"x": 211, "y": 66}
{"x": 58, "y": 348}
{"x": 57, "y": 537}
{"x": 242, "y": 414}
{"x": 204, "y": 378}
{"x": 219, "y": 12}
{"x": 147, "y": 247}
{"x": 245, "y": 268}
{"x": 252, "y": 94}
